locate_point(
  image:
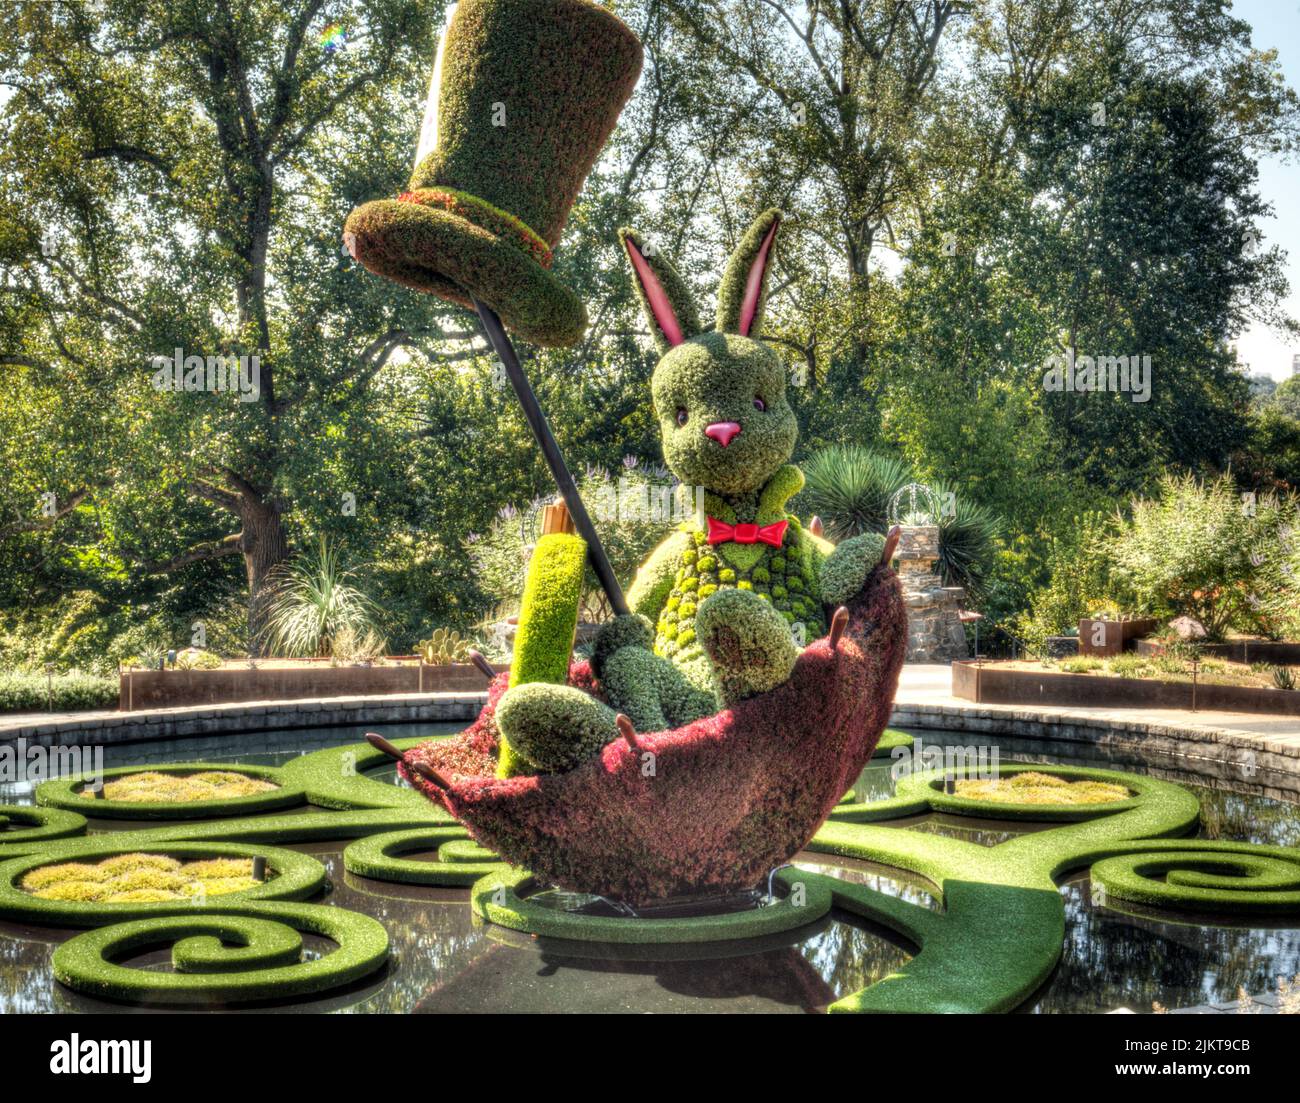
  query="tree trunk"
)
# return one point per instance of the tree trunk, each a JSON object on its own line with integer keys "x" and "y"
{"x": 265, "y": 547}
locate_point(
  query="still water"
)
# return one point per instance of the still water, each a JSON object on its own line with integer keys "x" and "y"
{"x": 445, "y": 960}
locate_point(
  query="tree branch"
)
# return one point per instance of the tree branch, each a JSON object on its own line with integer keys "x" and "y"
{"x": 70, "y": 503}
{"x": 128, "y": 153}
{"x": 212, "y": 549}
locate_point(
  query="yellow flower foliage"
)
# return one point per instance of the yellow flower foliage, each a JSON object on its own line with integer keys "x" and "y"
{"x": 139, "y": 878}
{"x": 153, "y": 787}
{"x": 1036, "y": 788}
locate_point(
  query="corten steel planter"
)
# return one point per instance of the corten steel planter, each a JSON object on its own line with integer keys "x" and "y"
{"x": 1116, "y": 635}
{"x": 1276, "y": 653}
{"x": 989, "y": 684}
{"x": 140, "y": 689}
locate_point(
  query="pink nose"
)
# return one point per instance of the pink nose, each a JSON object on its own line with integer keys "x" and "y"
{"x": 723, "y": 432}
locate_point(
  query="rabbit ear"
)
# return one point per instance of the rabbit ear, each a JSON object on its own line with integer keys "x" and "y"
{"x": 743, "y": 293}
{"x": 664, "y": 296}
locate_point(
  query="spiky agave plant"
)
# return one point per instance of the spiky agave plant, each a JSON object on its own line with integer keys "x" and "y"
{"x": 968, "y": 534}
{"x": 312, "y": 602}
{"x": 849, "y": 487}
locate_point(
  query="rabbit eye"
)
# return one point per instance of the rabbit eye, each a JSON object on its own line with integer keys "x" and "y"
{"x": 682, "y": 416}
{"x": 759, "y": 404}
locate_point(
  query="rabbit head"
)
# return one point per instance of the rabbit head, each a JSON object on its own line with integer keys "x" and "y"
{"x": 719, "y": 395}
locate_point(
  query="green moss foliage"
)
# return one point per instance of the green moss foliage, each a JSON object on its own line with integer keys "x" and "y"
{"x": 674, "y": 287}
{"x": 631, "y": 630}
{"x": 549, "y": 612}
{"x": 430, "y": 250}
{"x": 731, "y": 292}
{"x": 653, "y": 693}
{"x": 717, "y": 377}
{"x": 548, "y": 618}
{"x": 747, "y": 641}
{"x": 785, "y": 578}
{"x": 847, "y": 567}
{"x": 563, "y": 70}
{"x": 530, "y": 91}
{"x": 553, "y": 728}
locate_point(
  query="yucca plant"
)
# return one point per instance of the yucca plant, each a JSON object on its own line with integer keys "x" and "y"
{"x": 850, "y": 488}
{"x": 313, "y": 601}
{"x": 1284, "y": 677}
{"x": 968, "y": 534}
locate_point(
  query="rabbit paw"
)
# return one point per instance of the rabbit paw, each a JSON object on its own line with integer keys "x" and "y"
{"x": 845, "y": 570}
{"x": 747, "y": 641}
{"x": 552, "y": 727}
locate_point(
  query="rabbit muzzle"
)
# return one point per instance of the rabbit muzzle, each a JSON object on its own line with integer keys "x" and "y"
{"x": 724, "y": 432}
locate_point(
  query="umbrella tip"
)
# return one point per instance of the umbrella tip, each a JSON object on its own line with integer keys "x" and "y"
{"x": 839, "y": 622}
{"x": 627, "y": 731}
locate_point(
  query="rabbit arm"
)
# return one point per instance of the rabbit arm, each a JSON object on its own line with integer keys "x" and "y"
{"x": 845, "y": 572}
{"x": 821, "y": 547}
{"x": 654, "y": 581}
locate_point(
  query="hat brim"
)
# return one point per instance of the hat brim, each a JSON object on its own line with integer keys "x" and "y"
{"x": 432, "y": 250}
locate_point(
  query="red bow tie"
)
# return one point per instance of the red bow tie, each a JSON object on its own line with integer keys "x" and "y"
{"x": 720, "y": 532}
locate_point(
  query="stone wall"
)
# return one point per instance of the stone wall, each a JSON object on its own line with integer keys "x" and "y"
{"x": 935, "y": 633}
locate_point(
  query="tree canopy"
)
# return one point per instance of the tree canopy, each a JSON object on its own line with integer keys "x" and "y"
{"x": 973, "y": 188}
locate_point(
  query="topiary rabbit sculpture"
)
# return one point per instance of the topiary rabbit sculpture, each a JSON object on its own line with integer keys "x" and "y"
{"x": 722, "y": 607}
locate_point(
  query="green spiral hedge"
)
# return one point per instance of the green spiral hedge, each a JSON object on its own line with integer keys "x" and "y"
{"x": 380, "y": 857}
{"x": 497, "y": 898}
{"x": 265, "y": 961}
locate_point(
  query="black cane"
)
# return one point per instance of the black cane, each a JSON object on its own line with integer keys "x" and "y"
{"x": 505, "y": 349}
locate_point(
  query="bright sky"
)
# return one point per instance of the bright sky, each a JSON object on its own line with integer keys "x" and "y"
{"x": 1276, "y": 25}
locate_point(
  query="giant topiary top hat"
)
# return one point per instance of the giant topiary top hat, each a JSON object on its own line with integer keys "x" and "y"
{"x": 526, "y": 93}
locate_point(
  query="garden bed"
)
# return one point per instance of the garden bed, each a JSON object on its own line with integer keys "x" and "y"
{"x": 285, "y": 680}
{"x": 1022, "y": 683}
{"x": 1237, "y": 651}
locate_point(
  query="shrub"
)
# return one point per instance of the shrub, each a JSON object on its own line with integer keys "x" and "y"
{"x": 196, "y": 659}
{"x": 1079, "y": 581}
{"x": 313, "y": 602}
{"x": 71, "y": 692}
{"x": 1272, "y": 603}
{"x": 849, "y": 488}
{"x": 1188, "y": 551}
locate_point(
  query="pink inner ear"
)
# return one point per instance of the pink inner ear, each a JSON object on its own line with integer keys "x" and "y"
{"x": 754, "y": 285}
{"x": 656, "y": 296}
